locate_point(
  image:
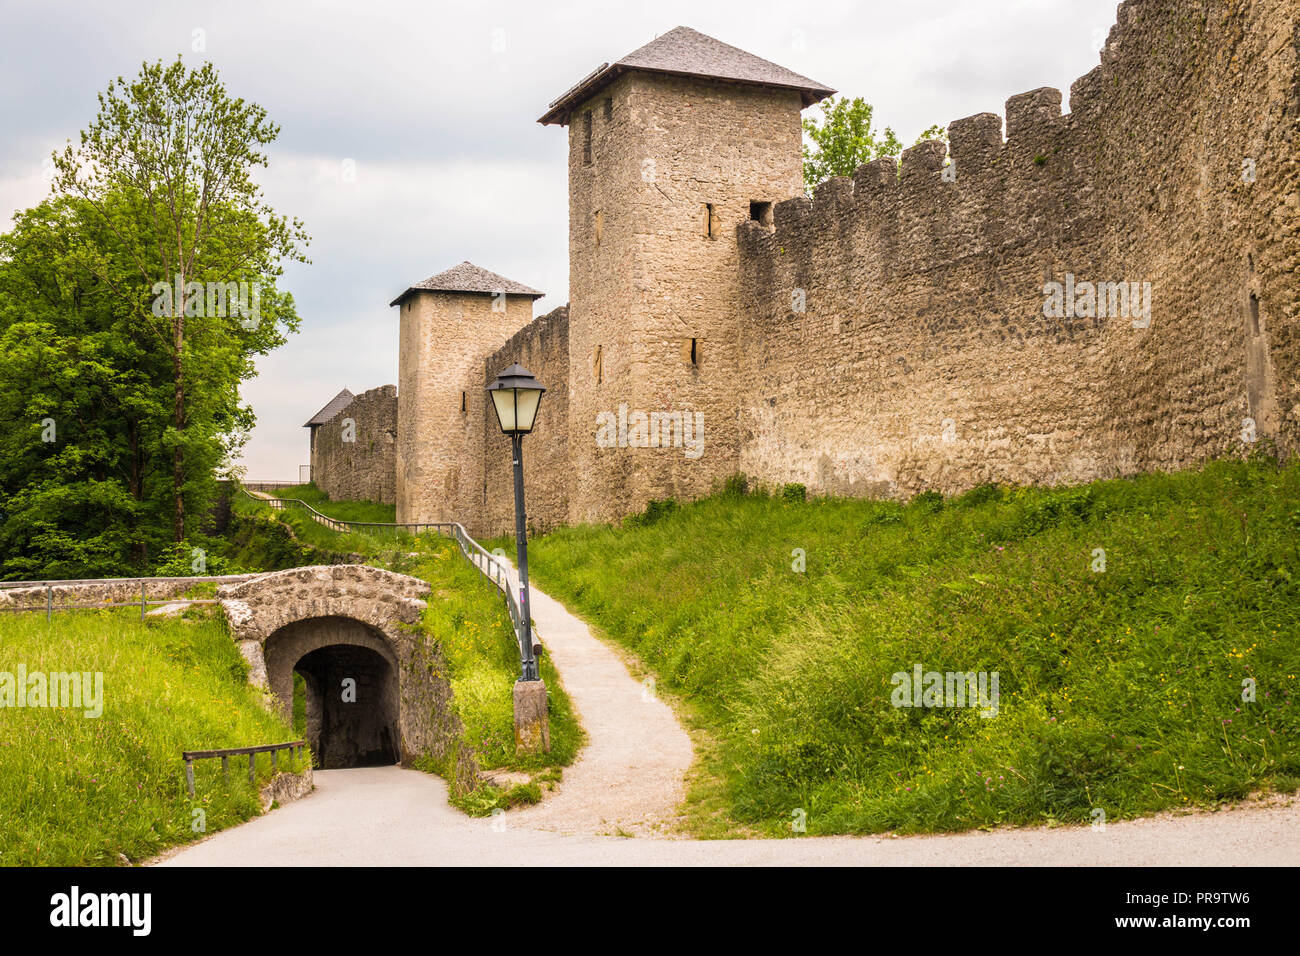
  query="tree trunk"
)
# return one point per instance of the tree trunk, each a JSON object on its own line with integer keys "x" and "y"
{"x": 178, "y": 420}
{"x": 135, "y": 485}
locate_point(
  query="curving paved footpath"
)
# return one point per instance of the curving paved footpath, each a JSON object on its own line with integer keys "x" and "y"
{"x": 629, "y": 780}
{"x": 630, "y": 775}
{"x": 387, "y": 816}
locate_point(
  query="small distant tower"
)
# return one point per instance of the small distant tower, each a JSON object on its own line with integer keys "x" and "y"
{"x": 336, "y": 404}
{"x": 450, "y": 323}
{"x": 670, "y": 149}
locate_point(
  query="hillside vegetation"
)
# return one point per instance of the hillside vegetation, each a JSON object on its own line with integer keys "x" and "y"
{"x": 1126, "y": 621}
{"x": 343, "y": 510}
{"x": 467, "y": 618}
{"x": 79, "y": 790}
{"x": 317, "y": 543}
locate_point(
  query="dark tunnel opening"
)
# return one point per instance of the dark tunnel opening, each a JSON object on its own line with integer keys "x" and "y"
{"x": 351, "y": 698}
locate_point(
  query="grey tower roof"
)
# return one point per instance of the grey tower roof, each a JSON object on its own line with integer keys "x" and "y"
{"x": 686, "y": 52}
{"x": 336, "y": 404}
{"x": 468, "y": 277}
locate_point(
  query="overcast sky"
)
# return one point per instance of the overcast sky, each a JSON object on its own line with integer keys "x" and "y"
{"x": 435, "y": 105}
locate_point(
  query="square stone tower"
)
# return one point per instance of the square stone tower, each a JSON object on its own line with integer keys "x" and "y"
{"x": 670, "y": 149}
{"x": 450, "y": 322}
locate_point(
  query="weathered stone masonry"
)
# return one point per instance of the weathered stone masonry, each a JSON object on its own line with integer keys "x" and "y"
{"x": 449, "y": 323}
{"x": 924, "y": 360}
{"x": 889, "y": 335}
{"x": 542, "y": 347}
{"x": 657, "y": 300}
{"x": 369, "y": 619}
{"x": 354, "y": 454}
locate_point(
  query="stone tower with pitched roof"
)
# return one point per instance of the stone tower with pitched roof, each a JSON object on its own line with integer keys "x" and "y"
{"x": 670, "y": 149}
{"x": 448, "y": 323}
{"x": 888, "y": 335}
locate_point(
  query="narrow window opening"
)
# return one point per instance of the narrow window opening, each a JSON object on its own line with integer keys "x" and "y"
{"x": 690, "y": 352}
{"x": 597, "y": 365}
{"x": 609, "y": 108}
{"x": 600, "y": 226}
{"x": 710, "y": 223}
{"x": 462, "y": 401}
{"x": 760, "y": 212}
{"x": 586, "y": 138}
{"x": 1254, "y": 314}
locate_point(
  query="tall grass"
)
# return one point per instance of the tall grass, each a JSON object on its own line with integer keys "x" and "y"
{"x": 1121, "y": 690}
{"x": 87, "y": 791}
{"x": 257, "y": 540}
{"x": 467, "y": 618}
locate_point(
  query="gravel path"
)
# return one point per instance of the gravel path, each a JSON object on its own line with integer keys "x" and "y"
{"x": 629, "y": 776}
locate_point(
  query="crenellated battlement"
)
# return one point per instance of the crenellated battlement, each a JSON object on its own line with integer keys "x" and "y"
{"x": 980, "y": 167}
{"x": 1052, "y": 297}
{"x": 915, "y": 293}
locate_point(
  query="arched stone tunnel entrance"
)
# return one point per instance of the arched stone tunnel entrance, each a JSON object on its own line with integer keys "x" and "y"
{"x": 332, "y": 623}
{"x": 353, "y": 699}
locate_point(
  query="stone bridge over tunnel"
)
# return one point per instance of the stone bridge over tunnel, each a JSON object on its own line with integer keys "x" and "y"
{"x": 375, "y": 689}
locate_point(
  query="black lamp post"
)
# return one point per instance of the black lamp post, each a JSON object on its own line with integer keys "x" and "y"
{"x": 515, "y": 396}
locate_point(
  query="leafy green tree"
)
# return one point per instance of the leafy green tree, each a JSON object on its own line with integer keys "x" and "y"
{"x": 176, "y": 153}
{"x": 104, "y": 388}
{"x": 844, "y": 139}
{"x": 77, "y": 398}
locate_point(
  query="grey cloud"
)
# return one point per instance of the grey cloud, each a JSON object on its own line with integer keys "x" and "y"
{"x": 451, "y": 163}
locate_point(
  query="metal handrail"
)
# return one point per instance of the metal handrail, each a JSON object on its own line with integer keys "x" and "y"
{"x": 48, "y": 586}
{"x": 49, "y": 606}
{"x": 336, "y": 524}
{"x": 499, "y": 575}
{"x": 496, "y": 571}
{"x": 196, "y": 578}
{"x": 189, "y": 756}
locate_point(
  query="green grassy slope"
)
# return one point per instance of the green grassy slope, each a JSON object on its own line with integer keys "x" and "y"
{"x": 344, "y": 510}
{"x": 325, "y": 545}
{"x": 256, "y": 539}
{"x": 1120, "y": 690}
{"x": 467, "y": 618}
{"x": 78, "y": 790}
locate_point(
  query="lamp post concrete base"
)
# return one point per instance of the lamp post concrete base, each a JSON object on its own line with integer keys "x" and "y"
{"x": 532, "y": 725}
